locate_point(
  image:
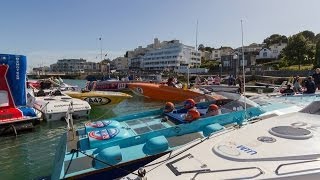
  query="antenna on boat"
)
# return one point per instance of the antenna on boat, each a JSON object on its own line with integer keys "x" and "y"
{"x": 100, "y": 39}
{"x": 196, "y": 37}
{"x": 69, "y": 118}
{"x": 243, "y": 73}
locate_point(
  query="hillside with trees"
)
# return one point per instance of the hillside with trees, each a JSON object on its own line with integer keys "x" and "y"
{"x": 301, "y": 50}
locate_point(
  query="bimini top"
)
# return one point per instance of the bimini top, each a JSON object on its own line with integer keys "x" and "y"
{"x": 285, "y": 146}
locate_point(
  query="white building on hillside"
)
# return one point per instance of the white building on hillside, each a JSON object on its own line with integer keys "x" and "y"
{"x": 265, "y": 53}
{"x": 277, "y": 48}
{"x": 222, "y": 51}
{"x": 271, "y": 53}
{"x": 206, "y": 55}
{"x": 136, "y": 63}
{"x": 121, "y": 63}
{"x": 74, "y": 65}
{"x": 170, "y": 55}
{"x": 216, "y": 54}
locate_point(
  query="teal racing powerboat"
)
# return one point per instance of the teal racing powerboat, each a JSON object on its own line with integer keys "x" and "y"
{"x": 115, "y": 147}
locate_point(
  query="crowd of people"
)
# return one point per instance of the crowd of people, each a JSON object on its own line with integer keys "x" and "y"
{"x": 308, "y": 85}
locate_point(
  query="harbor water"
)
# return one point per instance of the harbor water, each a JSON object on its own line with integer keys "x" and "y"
{"x": 31, "y": 155}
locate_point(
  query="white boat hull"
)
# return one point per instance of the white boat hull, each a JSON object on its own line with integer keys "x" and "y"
{"x": 280, "y": 147}
{"x": 54, "y": 108}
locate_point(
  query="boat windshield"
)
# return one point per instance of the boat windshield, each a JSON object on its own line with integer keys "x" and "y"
{"x": 226, "y": 97}
{"x": 221, "y": 102}
{"x": 313, "y": 108}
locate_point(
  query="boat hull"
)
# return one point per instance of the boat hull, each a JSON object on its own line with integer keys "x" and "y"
{"x": 108, "y": 85}
{"x": 98, "y": 98}
{"x": 119, "y": 170}
{"x": 162, "y": 92}
{"x": 224, "y": 88}
{"x": 55, "y": 108}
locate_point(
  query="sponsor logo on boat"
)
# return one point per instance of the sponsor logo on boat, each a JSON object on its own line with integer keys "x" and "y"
{"x": 234, "y": 149}
{"x": 98, "y": 124}
{"x": 104, "y": 134}
{"x": 139, "y": 90}
{"x": 67, "y": 105}
{"x": 246, "y": 150}
{"x": 98, "y": 100}
{"x": 17, "y": 68}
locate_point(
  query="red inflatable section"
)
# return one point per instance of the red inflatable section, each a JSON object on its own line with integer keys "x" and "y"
{"x": 10, "y": 112}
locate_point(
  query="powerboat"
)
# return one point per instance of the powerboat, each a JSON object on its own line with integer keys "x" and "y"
{"x": 164, "y": 92}
{"x": 15, "y": 116}
{"x": 113, "y": 147}
{"x": 108, "y": 85}
{"x": 221, "y": 87}
{"x": 278, "y": 147}
{"x": 97, "y": 98}
{"x": 54, "y": 104}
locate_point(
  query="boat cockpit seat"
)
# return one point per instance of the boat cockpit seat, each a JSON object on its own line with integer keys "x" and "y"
{"x": 179, "y": 116}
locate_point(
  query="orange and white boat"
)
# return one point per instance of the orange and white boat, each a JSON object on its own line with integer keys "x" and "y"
{"x": 164, "y": 92}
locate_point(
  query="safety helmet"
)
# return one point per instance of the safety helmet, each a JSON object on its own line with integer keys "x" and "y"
{"x": 168, "y": 107}
{"x": 192, "y": 115}
{"x": 213, "y": 107}
{"x": 189, "y": 103}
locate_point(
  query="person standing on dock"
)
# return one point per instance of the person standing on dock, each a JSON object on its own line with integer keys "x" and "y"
{"x": 241, "y": 85}
{"x": 316, "y": 77}
{"x": 217, "y": 80}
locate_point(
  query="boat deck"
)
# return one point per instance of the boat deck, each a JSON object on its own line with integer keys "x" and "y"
{"x": 78, "y": 163}
{"x": 258, "y": 150}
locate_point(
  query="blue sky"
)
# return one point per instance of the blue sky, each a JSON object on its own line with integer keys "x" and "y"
{"x": 49, "y": 30}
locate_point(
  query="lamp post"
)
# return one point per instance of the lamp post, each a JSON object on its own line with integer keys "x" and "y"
{"x": 235, "y": 59}
{"x": 188, "y": 67}
{"x": 108, "y": 65}
{"x": 220, "y": 67}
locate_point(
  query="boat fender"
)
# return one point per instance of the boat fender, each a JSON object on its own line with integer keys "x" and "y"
{"x": 156, "y": 145}
{"x": 111, "y": 155}
{"x": 209, "y": 129}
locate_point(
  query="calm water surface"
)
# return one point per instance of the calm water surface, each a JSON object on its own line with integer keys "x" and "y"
{"x": 31, "y": 155}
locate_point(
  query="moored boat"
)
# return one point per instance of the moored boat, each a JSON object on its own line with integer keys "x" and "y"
{"x": 279, "y": 147}
{"x": 99, "y": 97}
{"x": 221, "y": 87}
{"x": 163, "y": 92}
{"x": 54, "y": 104}
{"x": 14, "y": 114}
{"x": 114, "y": 147}
{"x": 108, "y": 85}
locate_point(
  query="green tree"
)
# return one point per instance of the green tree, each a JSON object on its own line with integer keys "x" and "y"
{"x": 316, "y": 63}
{"x": 317, "y": 37}
{"x": 209, "y": 49}
{"x": 275, "y": 38}
{"x": 298, "y": 51}
{"x": 201, "y": 47}
{"x": 309, "y": 35}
